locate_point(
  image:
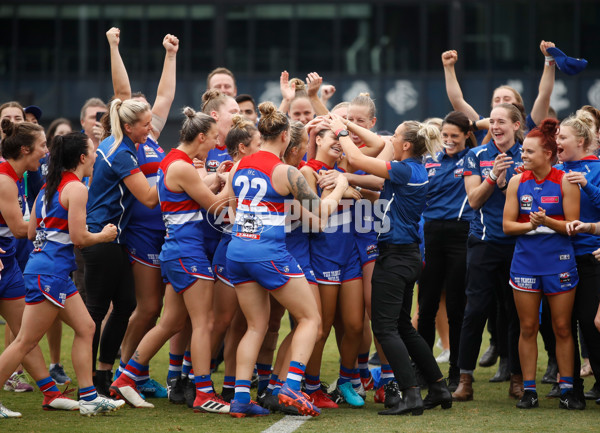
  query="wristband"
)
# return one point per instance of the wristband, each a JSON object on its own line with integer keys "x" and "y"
{"x": 592, "y": 229}
{"x": 493, "y": 176}
{"x": 358, "y": 188}
{"x": 504, "y": 187}
{"x": 549, "y": 61}
{"x": 474, "y": 126}
{"x": 490, "y": 181}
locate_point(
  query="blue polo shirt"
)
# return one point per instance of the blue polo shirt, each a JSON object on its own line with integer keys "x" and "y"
{"x": 109, "y": 199}
{"x": 402, "y": 201}
{"x": 487, "y": 224}
{"x": 589, "y": 210}
{"x": 446, "y": 196}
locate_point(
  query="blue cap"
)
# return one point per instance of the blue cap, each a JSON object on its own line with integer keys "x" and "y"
{"x": 35, "y": 110}
{"x": 566, "y": 64}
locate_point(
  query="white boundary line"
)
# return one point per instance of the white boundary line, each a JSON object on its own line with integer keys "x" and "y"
{"x": 287, "y": 424}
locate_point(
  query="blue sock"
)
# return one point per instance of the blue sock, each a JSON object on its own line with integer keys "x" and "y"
{"x": 136, "y": 371}
{"x": 47, "y": 385}
{"x": 264, "y": 374}
{"x": 204, "y": 384}
{"x": 187, "y": 364}
{"x": 363, "y": 365}
{"x": 566, "y": 384}
{"x": 242, "y": 391}
{"x": 295, "y": 374}
{"x": 345, "y": 375}
{"x": 387, "y": 374}
{"x": 175, "y": 365}
{"x": 529, "y": 385}
{"x": 122, "y": 366}
{"x": 88, "y": 394}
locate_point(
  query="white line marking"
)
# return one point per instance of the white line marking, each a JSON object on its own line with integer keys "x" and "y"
{"x": 287, "y": 424}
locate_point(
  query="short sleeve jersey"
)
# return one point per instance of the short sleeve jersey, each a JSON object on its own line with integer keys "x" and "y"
{"x": 402, "y": 201}
{"x": 487, "y": 224}
{"x": 109, "y": 199}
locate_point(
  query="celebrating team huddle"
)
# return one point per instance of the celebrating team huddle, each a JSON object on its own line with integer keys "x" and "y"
{"x": 301, "y": 209}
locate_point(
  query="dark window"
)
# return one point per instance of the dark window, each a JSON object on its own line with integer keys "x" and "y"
{"x": 239, "y": 39}
{"x": 357, "y": 40}
{"x": 401, "y": 24}
{"x": 438, "y": 34}
{"x": 273, "y": 38}
{"x": 590, "y": 34}
{"x": 510, "y": 35}
{"x": 81, "y": 38}
{"x": 202, "y": 39}
{"x": 315, "y": 37}
{"x": 163, "y": 20}
{"x": 36, "y": 40}
{"x": 475, "y": 40}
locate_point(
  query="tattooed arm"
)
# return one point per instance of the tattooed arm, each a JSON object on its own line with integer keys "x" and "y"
{"x": 300, "y": 189}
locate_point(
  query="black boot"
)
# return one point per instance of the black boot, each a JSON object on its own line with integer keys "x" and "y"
{"x": 490, "y": 356}
{"x": 551, "y": 371}
{"x": 438, "y": 394}
{"x": 594, "y": 393}
{"x": 103, "y": 381}
{"x": 503, "y": 373}
{"x": 411, "y": 402}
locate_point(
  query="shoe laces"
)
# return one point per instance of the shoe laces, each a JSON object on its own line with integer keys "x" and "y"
{"x": 20, "y": 377}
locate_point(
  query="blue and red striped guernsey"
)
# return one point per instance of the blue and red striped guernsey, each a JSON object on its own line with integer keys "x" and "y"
{"x": 181, "y": 215}
{"x": 542, "y": 251}
{"x": 259, "y": 229}
{"x": 53, "y": 248}
{"x": 7, "y": 240}
{"x": 337, "y": 239}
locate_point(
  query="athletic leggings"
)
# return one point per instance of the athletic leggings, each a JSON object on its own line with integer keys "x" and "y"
{"x": 396, "y": 270}
{"x": 108, "y": 278}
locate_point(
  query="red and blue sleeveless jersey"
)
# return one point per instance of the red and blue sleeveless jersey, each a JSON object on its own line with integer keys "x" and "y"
{"x": 542, "y": 251}
{"x": 258, "y": 232}
{"x": 7, "y": 241}
{"x": 181, "y": 215}
{"x": 53, "y": 249}
{"x": 149, "y": 155}
{"x": 336, "y": 241}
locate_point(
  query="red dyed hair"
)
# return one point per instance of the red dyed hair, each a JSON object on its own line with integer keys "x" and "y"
{"x": 546, "y": 132}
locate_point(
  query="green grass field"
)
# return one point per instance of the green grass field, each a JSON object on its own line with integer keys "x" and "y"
{"x": 491, "y": 411}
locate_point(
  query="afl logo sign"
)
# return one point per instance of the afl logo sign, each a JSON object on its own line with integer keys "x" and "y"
{"x": 212, "y": 165}
{"x": 526, "y": 202}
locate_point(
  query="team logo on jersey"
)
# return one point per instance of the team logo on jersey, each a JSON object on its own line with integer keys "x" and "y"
{"x": 485, "y": 172}
{"x": 526, "y": 202}
{"x": 549, "y": 199}
{"x": 47, "y": 289}
{"x": 194, "y": 269}
{"x": 134, "y": 160}
{"x": 459, "y": 172}
{"x": 149, "y": 152}
{"x": 286, "y": 269}
{"x": 251, "y": 226}
{"x": 471, "y": 163}
{"x": 431, "y": 172}
{"x": 212, "y": 165}
{"x": 460, "y": 162}
{"x": 565, "y": 277}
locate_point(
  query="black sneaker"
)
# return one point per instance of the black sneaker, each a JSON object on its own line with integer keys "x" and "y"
{"x": 594, "y": 393}
{"x": 569, "y": 401}
{"x": 529, "y": 400}
{"x": 554, "y": 392}
{"x": 175, "y": 390}
{"x": 189, "y": 391}
{"x": 392, "y": 394}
